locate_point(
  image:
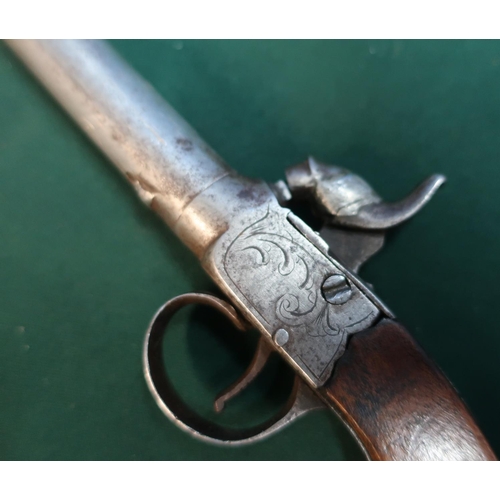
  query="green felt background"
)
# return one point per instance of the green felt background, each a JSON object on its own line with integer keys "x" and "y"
{"x": 83, "y": 265}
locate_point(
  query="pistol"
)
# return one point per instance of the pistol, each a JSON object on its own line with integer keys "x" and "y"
{"x": 299, "y": 288}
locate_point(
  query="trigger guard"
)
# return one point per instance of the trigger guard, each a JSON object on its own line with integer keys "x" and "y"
{"x": 300, "y": 401}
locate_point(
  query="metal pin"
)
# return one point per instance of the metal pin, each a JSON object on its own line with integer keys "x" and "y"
{"x": 281, "y": 337}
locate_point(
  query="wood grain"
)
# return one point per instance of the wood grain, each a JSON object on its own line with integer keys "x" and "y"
{"x": 398, "y": 403}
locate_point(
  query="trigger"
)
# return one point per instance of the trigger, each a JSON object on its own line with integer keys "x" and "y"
{"x": 301, "y": 400}
{"x": 257, "y": 364}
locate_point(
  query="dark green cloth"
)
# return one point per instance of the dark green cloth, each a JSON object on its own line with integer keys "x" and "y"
{"x": 83, "y": 265}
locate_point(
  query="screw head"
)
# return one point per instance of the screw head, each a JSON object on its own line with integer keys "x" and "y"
{"x": 281, "y": 337}
{"x": 336, "y": 289}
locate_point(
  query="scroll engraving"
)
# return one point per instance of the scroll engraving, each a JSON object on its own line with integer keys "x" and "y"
{"x": 279, "y": 274}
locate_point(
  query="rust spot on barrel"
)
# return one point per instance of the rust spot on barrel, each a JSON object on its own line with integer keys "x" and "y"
{"x": 246, "y": 194}
{"x": 185, "y": 144}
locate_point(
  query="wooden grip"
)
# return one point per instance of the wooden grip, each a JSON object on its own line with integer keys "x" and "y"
{"x": 398, "y": 403}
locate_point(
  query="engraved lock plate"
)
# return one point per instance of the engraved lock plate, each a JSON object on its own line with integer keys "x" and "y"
{"x": 276, "y": 273}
